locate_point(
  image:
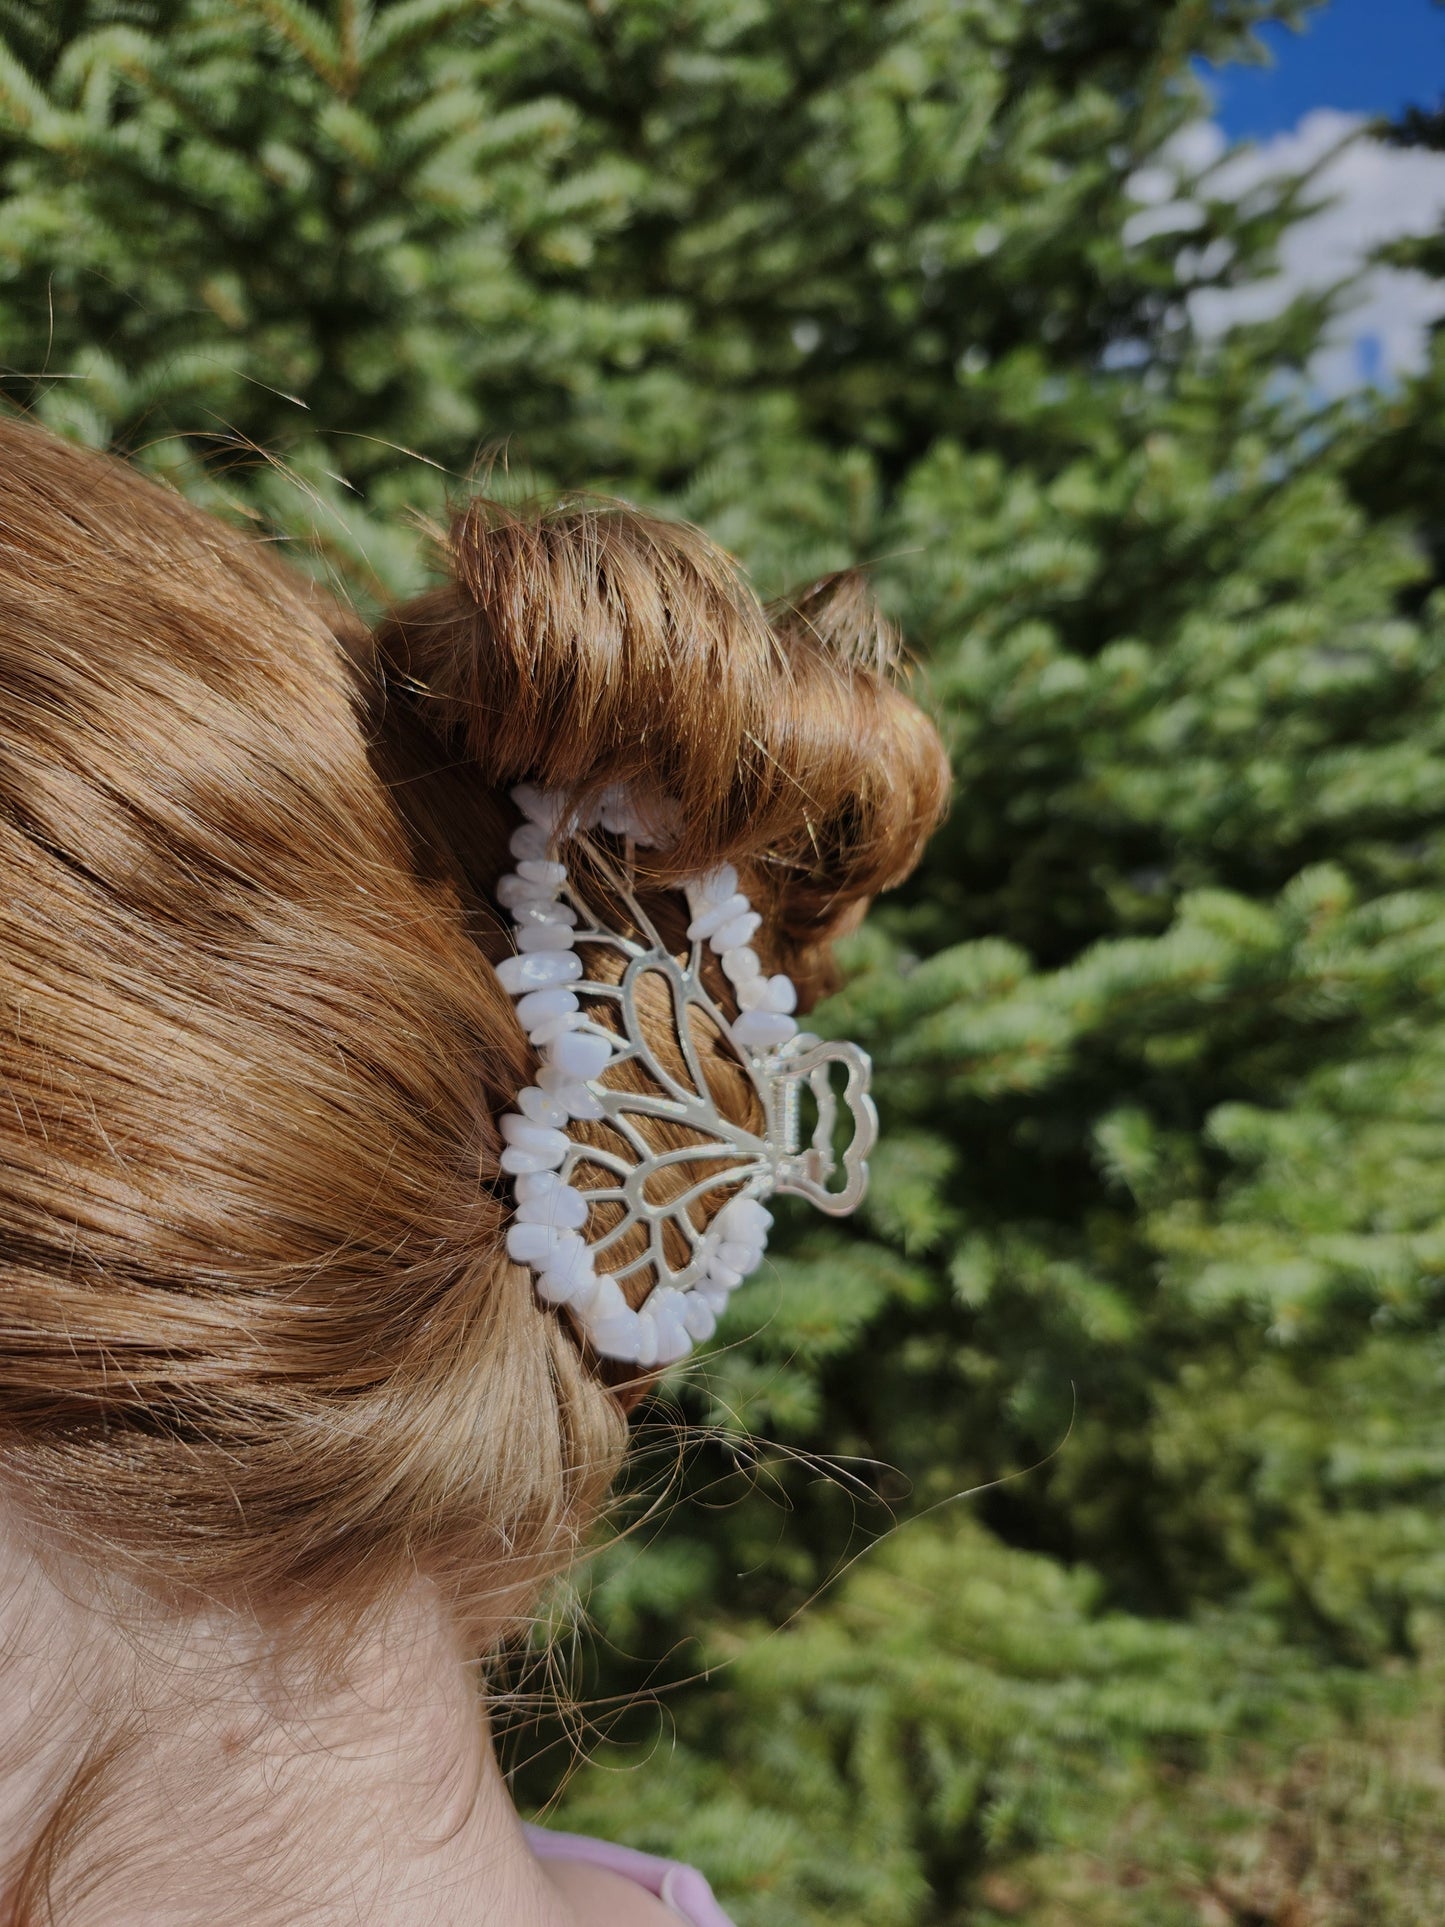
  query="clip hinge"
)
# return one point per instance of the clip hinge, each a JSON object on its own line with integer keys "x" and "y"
{"x": 805, "y": 1171}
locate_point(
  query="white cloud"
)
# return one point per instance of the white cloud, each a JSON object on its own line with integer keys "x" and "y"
{"x": 1375, "y": 193}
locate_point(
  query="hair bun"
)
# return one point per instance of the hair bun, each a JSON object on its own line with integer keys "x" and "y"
{"x": 590, "y": 644}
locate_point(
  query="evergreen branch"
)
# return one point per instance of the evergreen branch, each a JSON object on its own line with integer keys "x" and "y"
{"x": 353, "y": 21}
{"x": 24, "y": 107}
{"x": 32, "y": 25}
{"x": 401, "y": 28}
{"x": 304, "y": 33}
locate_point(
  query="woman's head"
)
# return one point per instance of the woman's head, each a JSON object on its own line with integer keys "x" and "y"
{"x": 262, "y": 1342}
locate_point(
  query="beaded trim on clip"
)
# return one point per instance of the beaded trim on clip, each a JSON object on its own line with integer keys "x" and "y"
{"x": 550, "y": 919}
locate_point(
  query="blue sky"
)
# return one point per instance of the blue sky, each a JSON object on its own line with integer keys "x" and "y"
{"x": 1364, "y": 56}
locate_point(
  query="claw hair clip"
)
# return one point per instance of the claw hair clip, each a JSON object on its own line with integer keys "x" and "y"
{"x": 576, "y": 1202}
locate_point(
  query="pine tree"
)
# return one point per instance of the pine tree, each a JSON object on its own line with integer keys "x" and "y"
{"x": 1152, "y": 1261}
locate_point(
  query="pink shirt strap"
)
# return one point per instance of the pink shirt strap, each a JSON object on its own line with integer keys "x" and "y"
{"x": 682, "y": 1888}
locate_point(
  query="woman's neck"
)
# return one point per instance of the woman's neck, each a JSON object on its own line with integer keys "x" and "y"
{"x": 172, "y": 1771}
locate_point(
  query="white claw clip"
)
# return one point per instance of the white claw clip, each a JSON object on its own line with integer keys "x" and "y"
{"x": 559, "y": 1007}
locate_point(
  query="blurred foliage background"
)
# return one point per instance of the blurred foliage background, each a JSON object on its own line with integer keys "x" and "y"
{"x": 1152, "y": 1266}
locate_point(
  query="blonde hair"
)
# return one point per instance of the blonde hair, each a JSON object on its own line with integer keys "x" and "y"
{"x": 261, "y": 1341}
